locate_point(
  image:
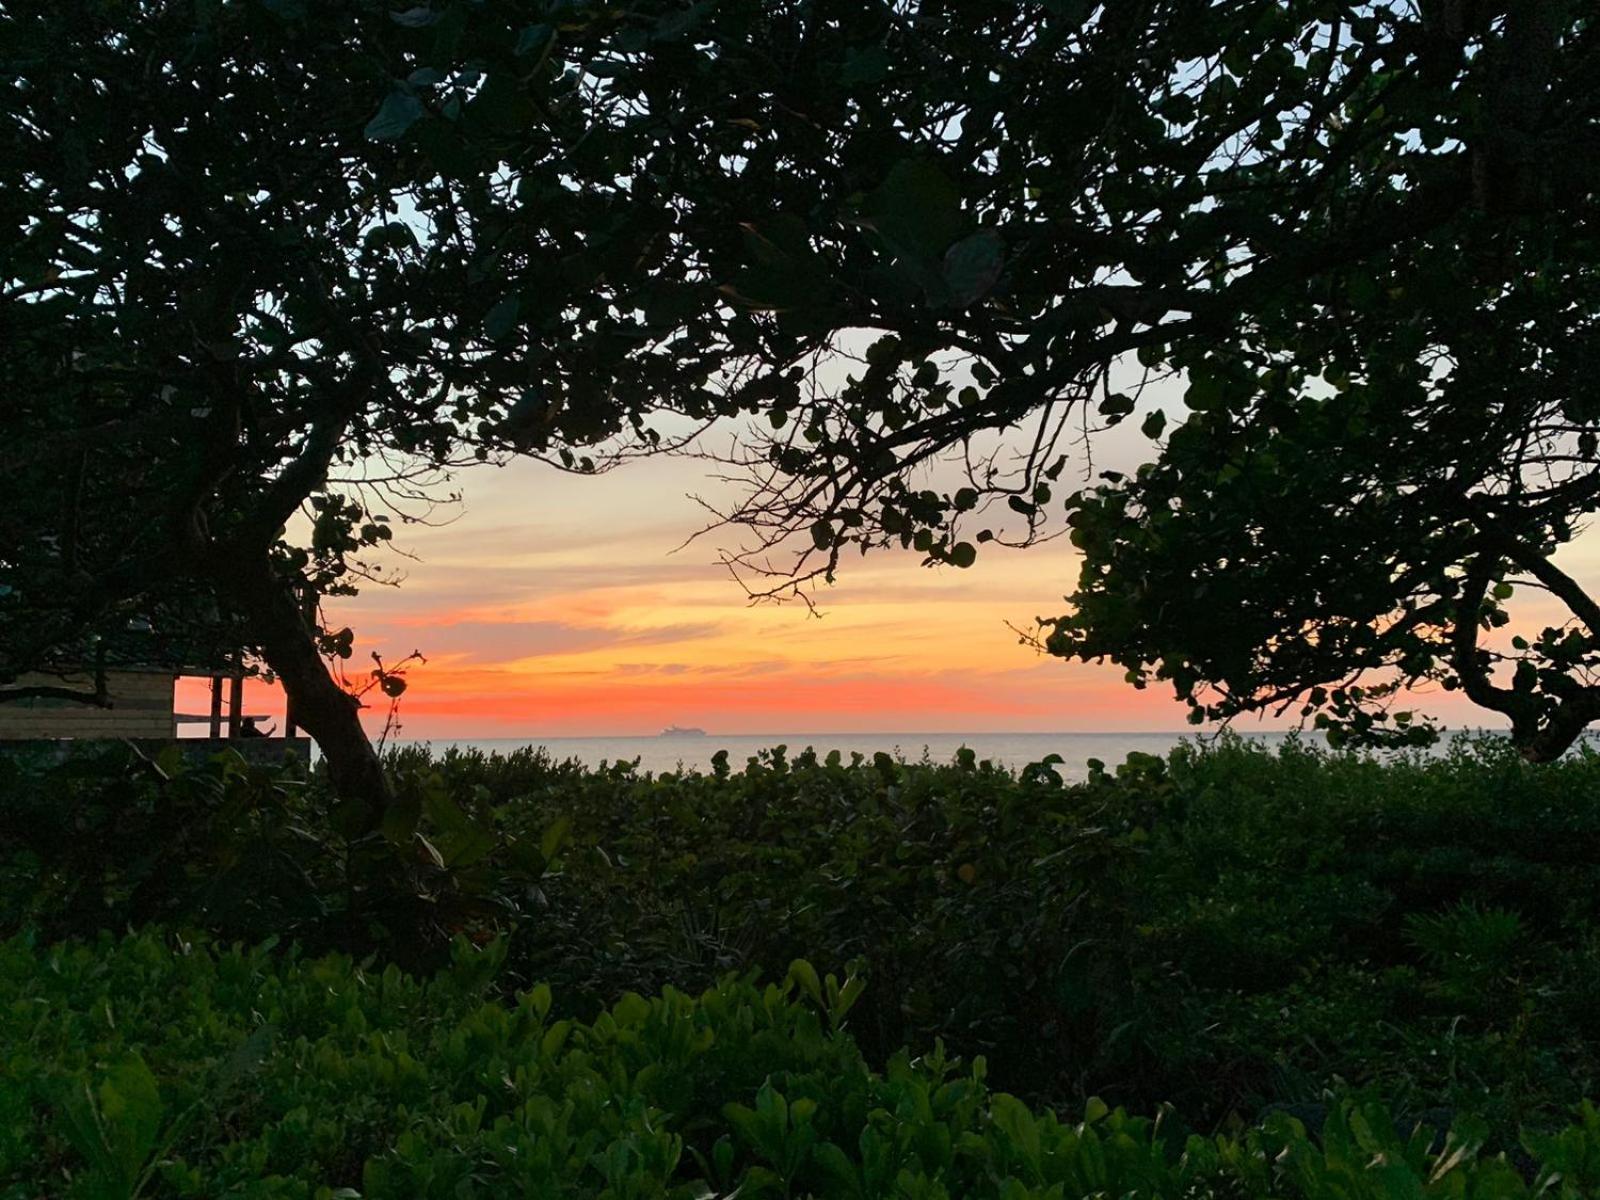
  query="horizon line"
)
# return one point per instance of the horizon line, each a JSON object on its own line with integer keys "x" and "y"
{"x": 1189, "y": 732}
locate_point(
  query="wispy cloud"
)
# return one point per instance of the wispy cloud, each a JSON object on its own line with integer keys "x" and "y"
{"x": 556, "y": 606}
{"x": 509, "y": 641}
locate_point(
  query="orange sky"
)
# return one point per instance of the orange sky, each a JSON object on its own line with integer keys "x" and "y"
{"x": 559, "y": 606}
{"x": 554, "y": 605}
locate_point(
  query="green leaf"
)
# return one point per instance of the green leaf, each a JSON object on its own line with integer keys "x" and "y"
{"x": 632, "y": 1009}
{"x": 554, "y": 835}
{"x": 963, "y": 554}
{"x": 502, "y": 318}
{"x": 1154, "y": 425}
{"x": 416, "y": 18}
{"x": 916, "y": 209}
{"x": 839, "y": 1167}
{"x": 399, "y": 112}
{"x": 467, "y": 845}
{"x": 114, "y": 1126}
{"x": 803, "y": 973}
{"x": 534, "y": 37}
{"x": 400, "y": 819}
{"x": 843, "y": 999}
{"x": 540, "y": 997}
{"x": 441, "y": 808}
{"x": 1205, "y": 393}
{"x": 973, "y": 265}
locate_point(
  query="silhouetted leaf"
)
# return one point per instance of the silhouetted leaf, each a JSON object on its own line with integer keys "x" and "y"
{"x": 972, "y": 266}
{"x": 399, "y": 111}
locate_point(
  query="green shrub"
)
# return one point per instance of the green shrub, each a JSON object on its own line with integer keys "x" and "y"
{"x": 1226, "y": 929}
{"x": 250, "y": 852}
{"x": 155, "y": 1067}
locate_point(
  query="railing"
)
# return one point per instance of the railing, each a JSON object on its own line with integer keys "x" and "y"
{"x": 45, "y": 751}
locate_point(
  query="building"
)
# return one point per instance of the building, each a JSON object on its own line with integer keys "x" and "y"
{"x": 137, "y": 703}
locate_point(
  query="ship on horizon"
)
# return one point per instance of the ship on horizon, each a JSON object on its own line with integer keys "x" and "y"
{"x": 682, "y": 731}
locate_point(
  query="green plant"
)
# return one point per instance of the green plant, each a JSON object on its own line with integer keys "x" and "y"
{"x": 251, "y": 851}
{"x": 321, "y": 1079}
{"x": 1226, "y": 929}
{"x": 114, "y": 1126}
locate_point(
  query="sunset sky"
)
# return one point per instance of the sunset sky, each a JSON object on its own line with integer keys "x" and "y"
{"x": 552, "y": 605}
{"x": 555, "y": 606}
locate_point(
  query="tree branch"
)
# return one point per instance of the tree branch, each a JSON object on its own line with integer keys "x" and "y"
{"x": 1468, "y": 662}
{"x": 1563, "y": 586}
{"x": 99, "y": 699}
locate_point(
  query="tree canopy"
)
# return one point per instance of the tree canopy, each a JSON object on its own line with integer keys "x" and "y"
{"x": 271, "y": 253}
{"x": 269, "y": 257}
{"x": 1360, "y": 237}
{"x": 1372, "y": 469}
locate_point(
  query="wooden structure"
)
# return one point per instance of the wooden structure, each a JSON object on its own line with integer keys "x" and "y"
{"x": 122, "y": 686}
{"x": 140, "y": 706}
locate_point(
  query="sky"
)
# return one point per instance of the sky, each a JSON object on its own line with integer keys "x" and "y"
{"x": 552, "y": 605}
{"x": 555, "y": 605}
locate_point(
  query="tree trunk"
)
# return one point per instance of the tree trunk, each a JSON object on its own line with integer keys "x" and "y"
{"x": 1562, "y": 726}
{"x": 321, "y": 707}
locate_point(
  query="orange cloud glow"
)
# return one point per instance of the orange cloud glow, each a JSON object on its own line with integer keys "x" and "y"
{"x": 559, "y": 606}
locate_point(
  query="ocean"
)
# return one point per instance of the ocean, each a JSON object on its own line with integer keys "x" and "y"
{"x": 1014, "y": 750}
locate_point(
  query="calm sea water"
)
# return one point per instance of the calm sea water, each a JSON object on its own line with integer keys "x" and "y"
{"x": 1014, "y": 750}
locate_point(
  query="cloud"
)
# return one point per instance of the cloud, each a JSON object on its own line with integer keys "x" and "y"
{"x": 476, "y": 642}
{"x": 558, "y": 606}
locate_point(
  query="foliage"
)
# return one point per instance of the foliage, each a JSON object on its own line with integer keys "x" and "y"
{"x": 1335, "y": 527}
{"x": 1373, "y": 460}
{"x": 1359, "y": 236}
{"x": 153, "y": 1065}
{"x": 1226, "y": 930}
{"x": 273, "y": 257}
{"x": 258, "y": 852}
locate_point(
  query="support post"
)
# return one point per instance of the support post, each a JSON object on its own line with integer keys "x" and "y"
{"x": 235, "y": 700}
{"x": 216, "y": 707}
{"x": 308, "y": 613}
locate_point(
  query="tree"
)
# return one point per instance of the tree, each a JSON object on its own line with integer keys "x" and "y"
{"x": 1369, "y": 473}
{"x": 270, "y": 261}
{"x": 277, "y": 262}
{"x": 272, "y": 253}
{"x": 1362, "y": 236}
{"x": 1352, "y": 505}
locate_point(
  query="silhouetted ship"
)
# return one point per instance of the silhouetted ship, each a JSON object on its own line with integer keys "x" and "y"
{"x": 680, "y": 731}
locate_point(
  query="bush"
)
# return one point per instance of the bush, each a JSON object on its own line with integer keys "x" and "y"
{"x": 249, "y": 851}
{"x": 1227, "y": 929}
{"x": 153, "y": 1066}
